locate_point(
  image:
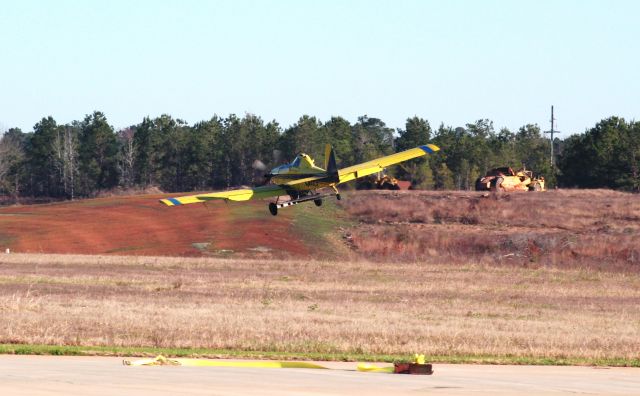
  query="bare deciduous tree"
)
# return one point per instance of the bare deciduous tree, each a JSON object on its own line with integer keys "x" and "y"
{"x": 66, "y": 158}
{"x": 127, "y": 157}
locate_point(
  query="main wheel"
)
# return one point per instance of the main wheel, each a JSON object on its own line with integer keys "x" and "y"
{"x": 273, "y": 209}
{"x": 318, "y": 202}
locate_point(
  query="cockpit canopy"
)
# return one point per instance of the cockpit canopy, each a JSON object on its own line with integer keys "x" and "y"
{"x": 302, "y": 160}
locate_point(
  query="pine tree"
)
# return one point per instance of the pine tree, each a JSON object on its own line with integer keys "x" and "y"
{"x": 97, "y": 154}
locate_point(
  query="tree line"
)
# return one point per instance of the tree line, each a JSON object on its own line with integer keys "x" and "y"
{"x": 82, "y": 158}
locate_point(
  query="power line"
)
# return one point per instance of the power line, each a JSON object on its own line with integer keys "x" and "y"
{"x": 551, "y": 132}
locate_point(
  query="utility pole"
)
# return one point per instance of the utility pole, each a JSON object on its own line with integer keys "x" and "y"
{"x": 551, "y": 132}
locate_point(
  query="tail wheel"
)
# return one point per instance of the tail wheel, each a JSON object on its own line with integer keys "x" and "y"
{"x": 496, "y": 184}
{"x": 318, "y": 202}
{"x": 338, "y": 197}
{"x": 273, "y": 209}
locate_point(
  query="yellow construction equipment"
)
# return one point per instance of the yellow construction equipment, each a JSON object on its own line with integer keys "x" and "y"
{"x": 505, "y": 179}
{"x": 379, "y": 181}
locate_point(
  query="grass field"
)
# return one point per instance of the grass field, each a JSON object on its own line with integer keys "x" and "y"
{"x": 549, "y": 278}
{"x": 329, "y": 308}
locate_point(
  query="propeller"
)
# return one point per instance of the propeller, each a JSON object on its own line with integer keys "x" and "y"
{"x": 259, "y": 165}
{"x": 262, "y": 175}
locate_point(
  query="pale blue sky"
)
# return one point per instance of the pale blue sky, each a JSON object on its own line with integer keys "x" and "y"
{"x": 446, "y": 61}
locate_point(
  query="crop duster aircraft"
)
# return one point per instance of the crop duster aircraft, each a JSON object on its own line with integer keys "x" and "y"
{"x": 302, "y": 180}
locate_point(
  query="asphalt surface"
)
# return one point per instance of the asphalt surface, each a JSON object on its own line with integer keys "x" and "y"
{"x": 51, "y": 375}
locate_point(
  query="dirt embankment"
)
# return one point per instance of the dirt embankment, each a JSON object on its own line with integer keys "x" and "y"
{"x": 140, "y": 225}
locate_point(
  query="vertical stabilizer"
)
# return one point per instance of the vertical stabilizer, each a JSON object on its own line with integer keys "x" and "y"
{"x": 327, "y": 151}
{"x": 330, "y": 162}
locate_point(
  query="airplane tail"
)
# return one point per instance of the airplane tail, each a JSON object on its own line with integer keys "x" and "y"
{"x": 330, "y": 163}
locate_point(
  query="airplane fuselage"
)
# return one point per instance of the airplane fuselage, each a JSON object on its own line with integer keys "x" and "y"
{"x": 301, "y": 168}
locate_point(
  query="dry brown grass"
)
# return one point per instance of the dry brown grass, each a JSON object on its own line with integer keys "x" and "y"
{"x": 314, "y": 306}
{"x": 567, "y": 229}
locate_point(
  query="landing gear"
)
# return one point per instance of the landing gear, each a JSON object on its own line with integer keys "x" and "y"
{"x": 335, "y": 190}
{"x": 273, "y": 208}
{"x": 302, "y": 197}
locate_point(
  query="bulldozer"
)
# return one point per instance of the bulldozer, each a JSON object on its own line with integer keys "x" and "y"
{"x": 387, "y": 183}
{"x": 506, "y": 179}
{"x": 379, "y": 181}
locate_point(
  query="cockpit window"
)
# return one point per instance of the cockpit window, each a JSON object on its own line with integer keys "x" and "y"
{"x": 296, "y": 162}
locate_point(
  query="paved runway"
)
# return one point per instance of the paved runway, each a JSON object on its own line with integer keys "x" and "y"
{"x": 51, "y": 375}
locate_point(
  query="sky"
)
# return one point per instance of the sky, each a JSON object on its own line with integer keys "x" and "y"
{"x": 450, "y": 62}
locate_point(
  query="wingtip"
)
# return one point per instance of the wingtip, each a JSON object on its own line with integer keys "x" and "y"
{"x": 430, "y": 148}
{"x": 170, "y": 201}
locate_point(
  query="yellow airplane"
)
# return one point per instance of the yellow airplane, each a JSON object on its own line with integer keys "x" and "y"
{"x": 302, "y": 180}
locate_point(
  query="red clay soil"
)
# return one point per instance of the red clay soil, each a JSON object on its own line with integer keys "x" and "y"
{"x": 140, "y": 225}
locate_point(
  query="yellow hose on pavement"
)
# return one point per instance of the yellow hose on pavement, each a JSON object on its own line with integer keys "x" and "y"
{"x": 163, "y": 361}
{"x": 370, "y": 368}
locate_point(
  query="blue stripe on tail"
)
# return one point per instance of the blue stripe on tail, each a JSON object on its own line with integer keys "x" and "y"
{"x": 426, "y": 149}
{"x": 174, "y": 201}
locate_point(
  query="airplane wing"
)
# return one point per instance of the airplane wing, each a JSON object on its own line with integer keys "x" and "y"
{"x": 244, "y": 194}
{"x": 378, "y": 164}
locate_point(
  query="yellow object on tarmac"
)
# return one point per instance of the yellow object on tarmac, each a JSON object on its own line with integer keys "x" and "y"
{"x": 163, "y": 361}
{"x": 370, "y": 368}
